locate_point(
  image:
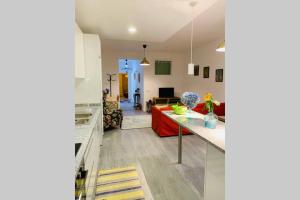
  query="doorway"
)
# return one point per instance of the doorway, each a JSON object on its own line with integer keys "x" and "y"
{"x": 123, "y": 86}
{"x": 131, "y": 82}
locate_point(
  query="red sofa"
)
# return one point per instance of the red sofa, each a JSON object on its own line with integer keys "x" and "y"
{"x": 163, "y": 126}
{"x": 218, "y": 110}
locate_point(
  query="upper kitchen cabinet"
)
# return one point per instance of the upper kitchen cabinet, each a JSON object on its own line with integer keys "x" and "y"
{"x": 79, "y": 53}
{"x": 89, "y": 89}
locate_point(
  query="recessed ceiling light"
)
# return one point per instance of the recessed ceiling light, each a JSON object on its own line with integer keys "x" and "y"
{"x": 132, "y": 29}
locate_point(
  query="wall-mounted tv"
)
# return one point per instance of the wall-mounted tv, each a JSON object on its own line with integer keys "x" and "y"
{"x": 166, "y": 92}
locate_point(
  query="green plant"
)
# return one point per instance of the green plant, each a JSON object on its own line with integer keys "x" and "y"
{"x": 209, "y": 102}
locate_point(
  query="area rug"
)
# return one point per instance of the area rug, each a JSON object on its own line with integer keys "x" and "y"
{"x": 123, "y": 183}
{"x": 136, "y": 121}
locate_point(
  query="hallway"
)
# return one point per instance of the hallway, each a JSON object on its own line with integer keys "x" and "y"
{"x": 129, "y": 110}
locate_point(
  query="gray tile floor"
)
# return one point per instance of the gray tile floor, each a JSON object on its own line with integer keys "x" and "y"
{"x": 157, "y": 156}
{"x": 128, "y": 109}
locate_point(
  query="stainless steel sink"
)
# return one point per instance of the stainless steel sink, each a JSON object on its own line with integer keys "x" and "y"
{"x": 82, "y": 121}
{"x": 83, "y": 116}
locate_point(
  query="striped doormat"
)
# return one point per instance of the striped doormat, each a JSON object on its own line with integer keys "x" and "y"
{"x": 121, "y": 183}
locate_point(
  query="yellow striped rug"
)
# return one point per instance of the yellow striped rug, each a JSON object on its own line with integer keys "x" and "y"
{"x": 119, "y": 184}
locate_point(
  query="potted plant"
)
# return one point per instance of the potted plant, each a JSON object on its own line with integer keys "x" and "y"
{"x": 210, "y": 120}
{"x": 190, "y": 99}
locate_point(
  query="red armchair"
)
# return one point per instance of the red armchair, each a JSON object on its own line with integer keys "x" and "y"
{"x": 163, "y": 126}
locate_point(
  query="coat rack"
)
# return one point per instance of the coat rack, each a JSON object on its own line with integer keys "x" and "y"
{"x": 110, "y": 76}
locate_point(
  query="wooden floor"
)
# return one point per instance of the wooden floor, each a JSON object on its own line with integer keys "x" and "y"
{"x": 157, "y": 157}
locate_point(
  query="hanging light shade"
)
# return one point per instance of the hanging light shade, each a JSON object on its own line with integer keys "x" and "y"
{"x": 221, "y": 47}
{"x": 191, "y": 64}
{"x": 191, "y": 69}
{"x": 144, "y": 62}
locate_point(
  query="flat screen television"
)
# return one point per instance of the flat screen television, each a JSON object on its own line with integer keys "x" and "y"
{"x": 166, "y": 92}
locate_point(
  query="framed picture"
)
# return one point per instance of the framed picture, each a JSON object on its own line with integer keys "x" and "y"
{"x": 196, "y": 70}
{"x": 162, "y": 67}
{"x": 219, "y": 75}
{"x": 206, "y": 72}
{"x": 139, "y": 77}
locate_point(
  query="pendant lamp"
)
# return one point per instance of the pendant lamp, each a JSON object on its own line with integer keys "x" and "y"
{"x": 126, "y": 67}
{"x": 221, "y": 47}
{"x": 191, "y": 64}
{"x": 144, "y": 62}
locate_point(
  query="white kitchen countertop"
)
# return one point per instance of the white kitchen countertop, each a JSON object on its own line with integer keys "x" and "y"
{"x": 83, "y": 134}
{"x": 194, "y": 122}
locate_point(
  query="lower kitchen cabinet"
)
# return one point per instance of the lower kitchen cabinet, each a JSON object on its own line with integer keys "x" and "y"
{"x": 91, "y": 160}
{"x": 90, "y": 163}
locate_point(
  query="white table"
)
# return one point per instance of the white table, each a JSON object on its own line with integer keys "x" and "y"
{"x": 214, "y": 179}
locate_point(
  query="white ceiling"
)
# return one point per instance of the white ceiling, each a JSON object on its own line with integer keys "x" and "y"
{"x": 162, "y": 24}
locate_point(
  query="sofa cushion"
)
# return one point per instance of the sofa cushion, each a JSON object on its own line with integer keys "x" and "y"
{"x": 218, "y": 110}
{"x": 200, "y": 108}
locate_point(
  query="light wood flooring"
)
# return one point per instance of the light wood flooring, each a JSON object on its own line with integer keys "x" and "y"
{"x": 157, "y": 157}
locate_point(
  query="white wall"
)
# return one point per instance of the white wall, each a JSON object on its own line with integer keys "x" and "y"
{"x": 203, "y": 56}
{"x": 151, "y": 82}
{"x": 137, "y": 69}
{"x": 89, "y": 90}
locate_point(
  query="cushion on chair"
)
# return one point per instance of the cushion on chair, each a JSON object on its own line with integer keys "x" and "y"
{"x": 112, "y": 116}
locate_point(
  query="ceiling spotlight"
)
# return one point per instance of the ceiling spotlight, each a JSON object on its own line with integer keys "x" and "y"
{"x": 132, "y": 30}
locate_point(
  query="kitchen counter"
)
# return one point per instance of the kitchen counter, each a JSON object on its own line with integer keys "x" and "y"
{"x": 195, "y": 124}
{"x": 214, "y": 145}
{"x": 83, "y": 134}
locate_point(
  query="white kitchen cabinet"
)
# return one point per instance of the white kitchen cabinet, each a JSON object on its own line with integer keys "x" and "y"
{"x": 88, "y": 166}
{"x": 79, "y": 53}
{"x": 91, "y": 160}
{"x": 89, "y": 89}
{"x": 100, "y": 127}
